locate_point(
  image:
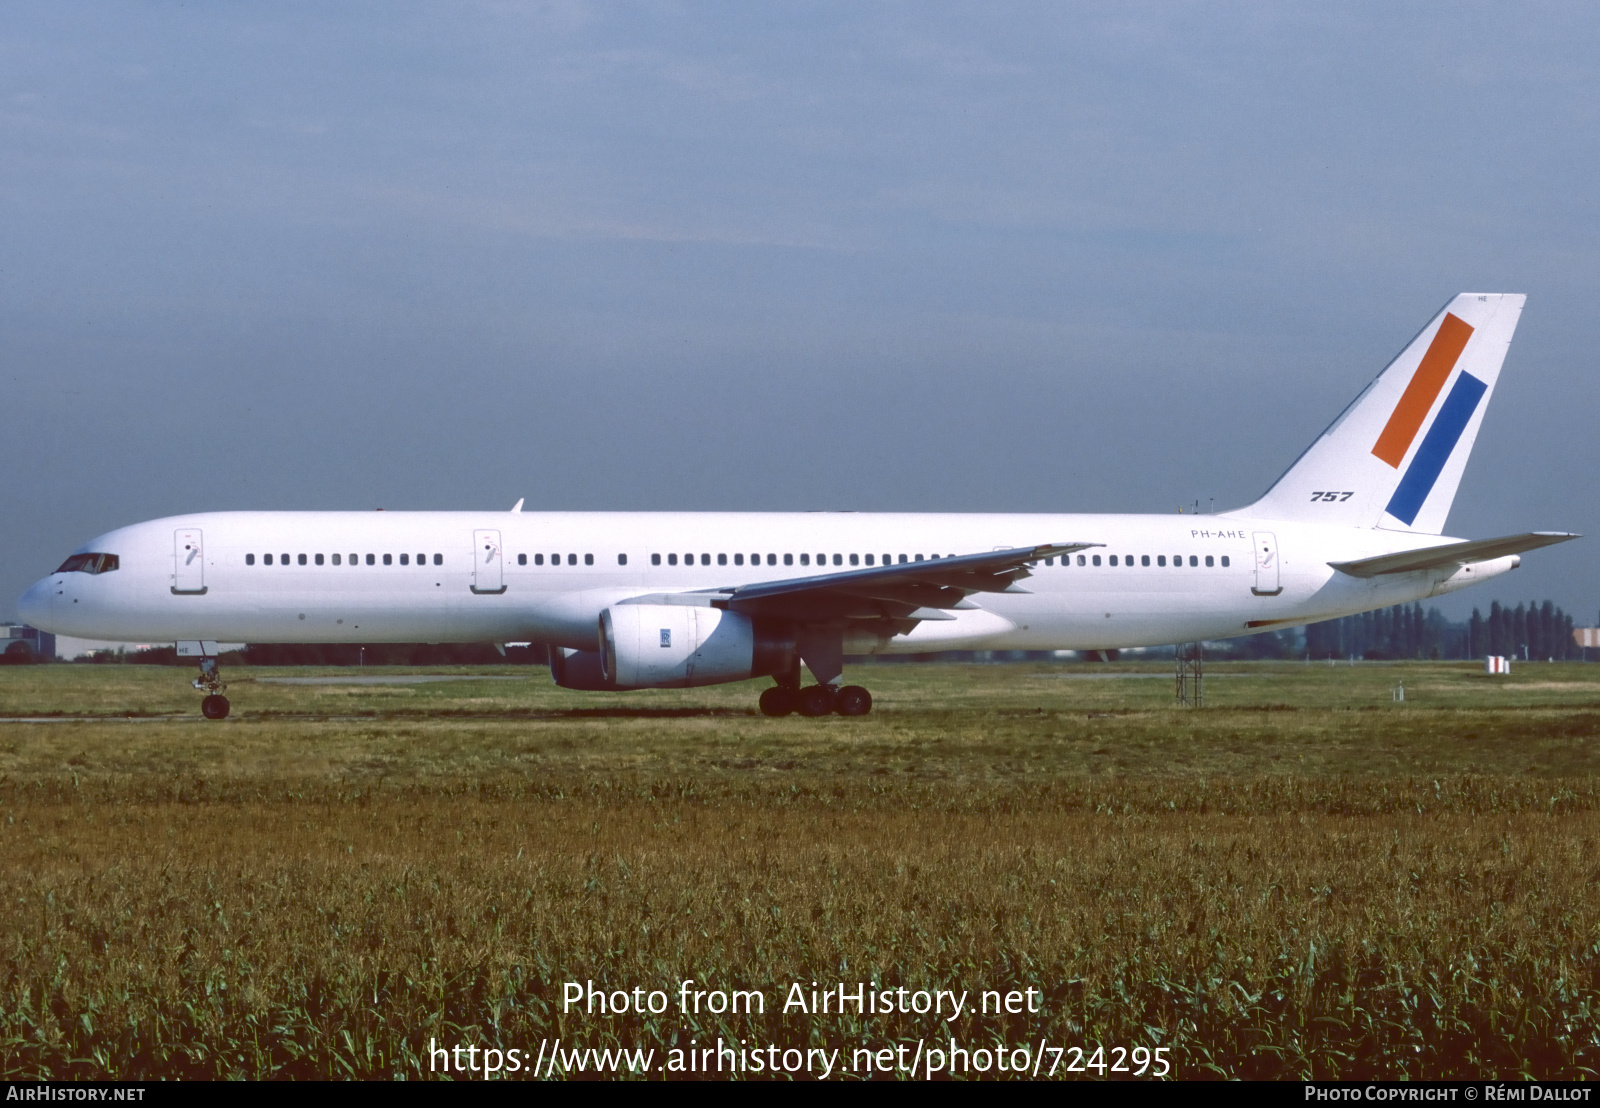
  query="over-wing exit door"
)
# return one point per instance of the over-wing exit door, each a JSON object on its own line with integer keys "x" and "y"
{"x": 488, "y": 563}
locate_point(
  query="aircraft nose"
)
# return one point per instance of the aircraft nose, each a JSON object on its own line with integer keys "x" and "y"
{"x": 34, "y": 605}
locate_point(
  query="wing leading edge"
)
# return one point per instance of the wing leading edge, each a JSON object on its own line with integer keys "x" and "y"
{"x": 907, "y": 591}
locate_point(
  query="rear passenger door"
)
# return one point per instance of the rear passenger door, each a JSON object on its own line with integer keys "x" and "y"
{"x": 1268, "y": 582}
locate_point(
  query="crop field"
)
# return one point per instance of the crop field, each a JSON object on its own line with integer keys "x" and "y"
{"x": 1304, "y": 878}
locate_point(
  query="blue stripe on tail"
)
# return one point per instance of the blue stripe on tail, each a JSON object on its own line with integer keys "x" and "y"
{"x": 1436, "y": 448}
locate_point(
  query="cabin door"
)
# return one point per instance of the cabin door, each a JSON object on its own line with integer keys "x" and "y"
{"x": 189, "y": 562}
{"x": 1267, "y": 580}
{"x": 488, "y": 563}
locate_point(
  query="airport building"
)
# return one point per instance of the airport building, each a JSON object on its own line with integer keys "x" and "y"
{"x": 21, "y": 642}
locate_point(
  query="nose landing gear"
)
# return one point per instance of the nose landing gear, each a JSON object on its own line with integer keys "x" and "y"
{"x": 215, "y": 705}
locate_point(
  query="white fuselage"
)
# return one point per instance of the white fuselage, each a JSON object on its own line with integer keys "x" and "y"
{"x": 555, "y": 572}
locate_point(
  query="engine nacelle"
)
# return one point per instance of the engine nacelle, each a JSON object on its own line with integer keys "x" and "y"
{"x": 578, "y": 669}
{"x": 676, "y": 646}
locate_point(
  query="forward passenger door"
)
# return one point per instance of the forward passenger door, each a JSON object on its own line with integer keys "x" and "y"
{"x": 189, "y": 562}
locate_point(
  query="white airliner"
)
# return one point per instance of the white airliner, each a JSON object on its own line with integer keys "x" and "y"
{"x": 641, "y": 600}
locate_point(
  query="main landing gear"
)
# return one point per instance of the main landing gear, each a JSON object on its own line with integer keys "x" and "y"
{"x": 215, "y": 705}
{"x": 816, "y": 700}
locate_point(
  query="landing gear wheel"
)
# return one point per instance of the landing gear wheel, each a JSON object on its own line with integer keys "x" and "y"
{"x": 853, "y": 700}
{"x": 778, "y": 701}
{"x": 817, "y": 700}
{"x": 214, "y": 707}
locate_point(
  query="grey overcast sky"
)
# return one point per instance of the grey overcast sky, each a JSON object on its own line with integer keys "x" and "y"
{"x": 873, "y": 256}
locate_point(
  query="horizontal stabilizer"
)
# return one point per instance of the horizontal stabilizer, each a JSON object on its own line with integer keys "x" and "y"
{"x": 1451, "y": 554}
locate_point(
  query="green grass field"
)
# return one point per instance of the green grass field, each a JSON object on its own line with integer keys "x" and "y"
{"x": 1304, "y": 878}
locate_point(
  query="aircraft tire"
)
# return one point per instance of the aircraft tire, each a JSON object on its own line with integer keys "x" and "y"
{"x": 214, "y": 707}
{"x": 817, "y": 700}
{"x": 853, "y": 700}
{"x": 778, "y": 701}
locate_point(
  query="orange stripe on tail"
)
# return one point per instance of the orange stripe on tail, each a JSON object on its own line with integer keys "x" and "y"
{"x": 1417, "y": 400}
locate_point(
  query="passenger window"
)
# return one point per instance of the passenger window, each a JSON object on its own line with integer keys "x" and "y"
{"x": 438, "y": 559}
{"x": 388, "y": 559}
{"x": 738, "y": 559}
{"x": 336, "y": 560}
{"x": 822, "y": 559}
{"x": 1208, "y": 561}
{"x": 805, "y": 559}
{"x": 283, "y": 559}
{"x": 319, "y": 559}
{"x": 672, "y": 559}
{"x": 919, "y": 557}
{"x": 722, "y": 559}
{"x": 1112, "y": 560}
{"x": 588, "y": 559}
{"x": 405, "y": 559}
{"x": 772, "y": 559}
{"x": 622, "y": 559}
{"x": 1080, "y": 559}
{"x": 372, "y": 559}
{"x": 1161, "y": 559}
{"x": 1144, "y": 559}
{"x": 522, "y": 559}
{"x": 655, "y": 559}
{"x": 788, "y": 559}
{"x": 1224, "y": 561}
{"x": 249, "y": 559}
{"x": 301, "y": 559}
{"x": 1193, "y": 561}
{"x": 903, "y": 559}
{"x": 572, "y": 559}
{"x": 705, "y": 559}
{"x": 1097, "y": 559}
{"x": 1049, "y": 561}
{"x": 838, "y": 559}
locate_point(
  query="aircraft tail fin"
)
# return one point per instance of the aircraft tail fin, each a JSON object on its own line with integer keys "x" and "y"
{"x": 1394, "y": 457}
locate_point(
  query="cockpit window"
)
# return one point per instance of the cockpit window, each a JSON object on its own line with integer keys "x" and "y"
{"x": 90, "y": 563}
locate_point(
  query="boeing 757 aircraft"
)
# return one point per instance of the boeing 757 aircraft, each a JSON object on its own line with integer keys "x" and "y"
{"x": 649, "y": 600}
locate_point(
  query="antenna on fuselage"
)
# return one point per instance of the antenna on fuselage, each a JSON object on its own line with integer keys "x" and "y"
{"x": 517, "y": 507}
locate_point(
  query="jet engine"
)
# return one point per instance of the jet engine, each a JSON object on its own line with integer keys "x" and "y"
{"x": 675, "y": 646}
{"x": 578, "y": 669}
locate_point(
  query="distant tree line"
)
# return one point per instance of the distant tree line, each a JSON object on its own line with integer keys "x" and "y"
{"x": 390, "y": 654}
{"x": 1530, "y": 631}
{"x": 337, "y": 654}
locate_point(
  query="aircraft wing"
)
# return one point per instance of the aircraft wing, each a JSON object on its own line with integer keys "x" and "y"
{"x": 1451, "y": 554}
{"x": 909, "y": 590}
